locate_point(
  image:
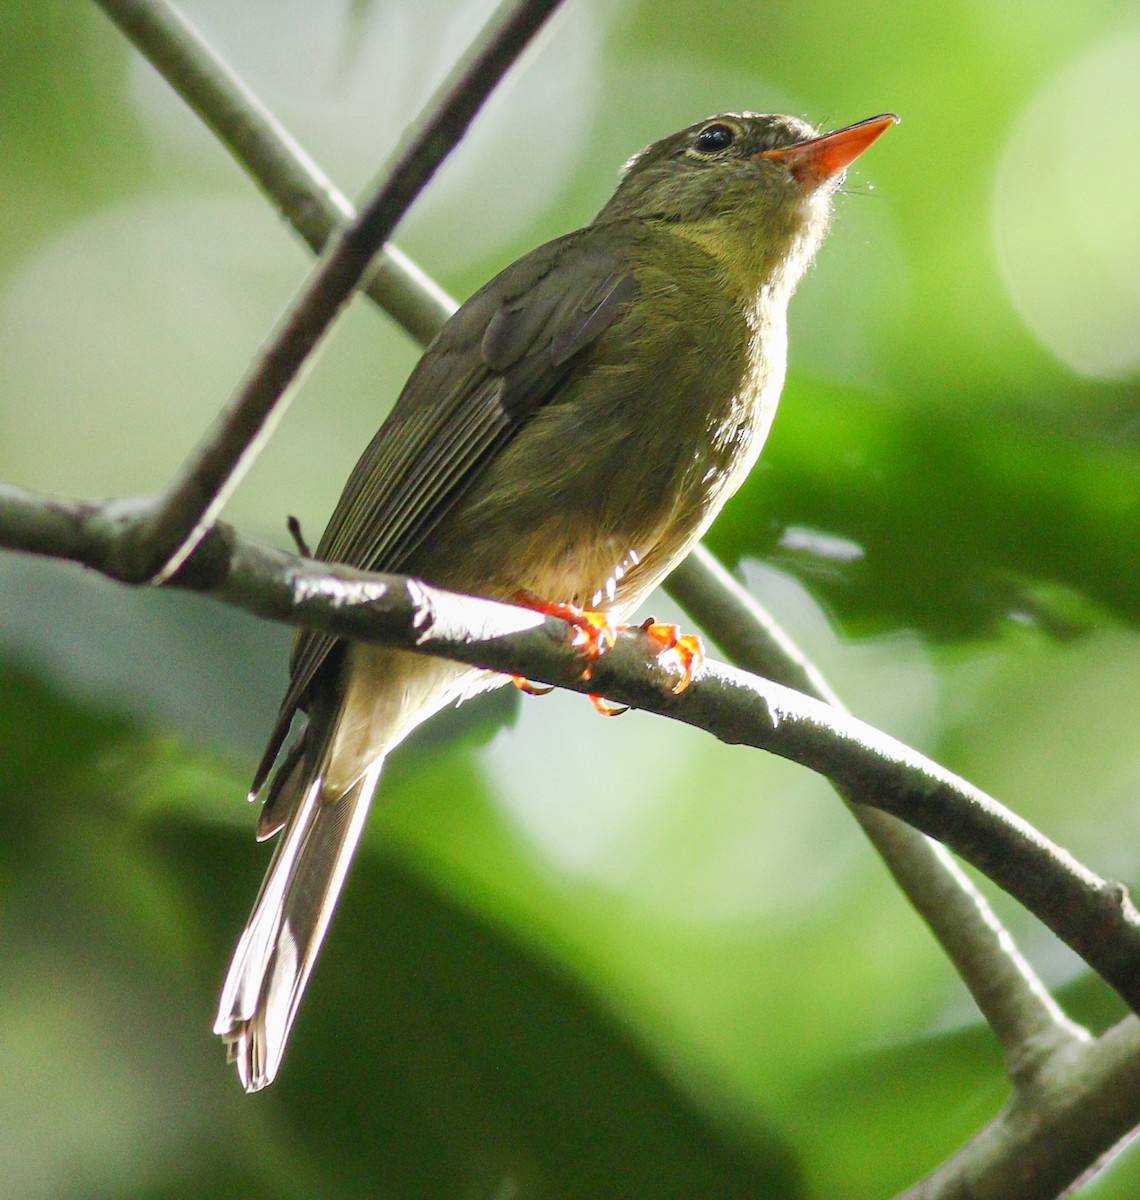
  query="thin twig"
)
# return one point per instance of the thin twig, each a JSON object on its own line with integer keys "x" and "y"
{"x": 259, "y": 143}
{"x": 1046, "y": 1141}
{"x": 165, "y": 538}
{"x": 1094, "y": 917}
{"x": 1027, "y": 1021}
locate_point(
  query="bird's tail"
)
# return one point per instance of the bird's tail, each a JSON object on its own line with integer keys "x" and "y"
{"x": 276, "y": 952}
{"x": 318, "y": 800}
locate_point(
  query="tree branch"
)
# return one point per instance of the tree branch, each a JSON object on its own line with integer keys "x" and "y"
{"x": 1094, "y": 917}
{"x": 1051, "y": 1138}
{"x": 260, "y": 144}
{"x": 1027, "y": 1021}
{"x": 158, "y": 543}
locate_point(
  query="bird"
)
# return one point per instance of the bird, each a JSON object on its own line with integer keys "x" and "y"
{"x": 565, "y": 439}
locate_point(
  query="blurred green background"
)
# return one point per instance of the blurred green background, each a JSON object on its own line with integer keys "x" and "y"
{"x": 575, "y": 958}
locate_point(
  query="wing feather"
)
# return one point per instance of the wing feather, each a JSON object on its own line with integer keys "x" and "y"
{"x": 507, "y": 352}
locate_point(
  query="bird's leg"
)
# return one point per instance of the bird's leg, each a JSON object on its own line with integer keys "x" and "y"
{"x": 593, "y": 635}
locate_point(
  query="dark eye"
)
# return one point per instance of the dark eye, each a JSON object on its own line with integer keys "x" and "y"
{"x": 714, "y": 138}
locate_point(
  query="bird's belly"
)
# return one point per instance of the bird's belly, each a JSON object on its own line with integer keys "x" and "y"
{"x": 641, "y": 493}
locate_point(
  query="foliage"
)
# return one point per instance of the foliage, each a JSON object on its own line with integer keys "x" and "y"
{"x": 576, "y": 958}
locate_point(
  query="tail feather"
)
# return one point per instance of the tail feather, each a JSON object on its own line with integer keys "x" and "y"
{"x": 287, "y": 789}
{"x": 276, "y": 952}
{"x": 317, "y": 803}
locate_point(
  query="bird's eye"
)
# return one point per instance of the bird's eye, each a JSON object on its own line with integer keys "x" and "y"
{"x": 714, "y": 138}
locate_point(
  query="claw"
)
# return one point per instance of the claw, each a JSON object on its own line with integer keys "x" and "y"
{"x": 605, "y": 707}
{"x": 531, "y": 689}
{"x": 678, "y": 653}
{"x": 593, "y": 633}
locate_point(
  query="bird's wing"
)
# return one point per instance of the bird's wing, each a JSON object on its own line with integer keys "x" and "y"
{"x": 504, "y": 354}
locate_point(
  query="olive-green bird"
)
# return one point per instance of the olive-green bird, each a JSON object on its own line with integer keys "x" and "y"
{"x": 570, "y": 434}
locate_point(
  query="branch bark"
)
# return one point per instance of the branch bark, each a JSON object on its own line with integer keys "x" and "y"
{"x": 1050, "y": 1139}
{"x": 1094, "y": 917}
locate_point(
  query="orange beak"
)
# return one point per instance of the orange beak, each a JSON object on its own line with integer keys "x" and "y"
{"x": 815, "y": 161}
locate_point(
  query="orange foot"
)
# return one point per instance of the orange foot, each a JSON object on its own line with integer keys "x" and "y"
{"x": 593, "y": 633}
{"x": 680, "y": 653}
{"x": 676, "y": 652}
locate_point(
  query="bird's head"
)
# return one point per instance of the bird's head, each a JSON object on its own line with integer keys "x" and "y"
{"x": 745, "y": 183}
